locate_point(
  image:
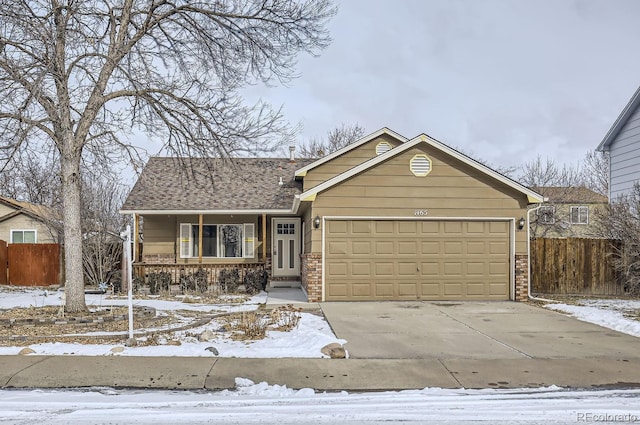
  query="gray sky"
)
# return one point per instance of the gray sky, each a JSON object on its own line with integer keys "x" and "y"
{"x": 503, "y": 80}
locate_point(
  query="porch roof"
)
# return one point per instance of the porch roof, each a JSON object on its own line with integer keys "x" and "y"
{"x": 213, "y": 184}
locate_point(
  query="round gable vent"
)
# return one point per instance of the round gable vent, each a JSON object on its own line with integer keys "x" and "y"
{"x": 383, "y": 147}
{"x": 420, "y": 165}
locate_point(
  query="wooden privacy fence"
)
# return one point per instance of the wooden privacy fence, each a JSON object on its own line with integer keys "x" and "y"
{"x": 30, "y": 264}
{"x": 574, "y": 266}
{"x": 4, "y": 263}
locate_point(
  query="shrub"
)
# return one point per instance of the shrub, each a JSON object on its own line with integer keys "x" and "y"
{"x": 195, "y": 282}
{"x": 116, "y": 283}
{"x": 229, "y": 280}
{"x": 158, "y": 281}
{"x": 255, "y": 281}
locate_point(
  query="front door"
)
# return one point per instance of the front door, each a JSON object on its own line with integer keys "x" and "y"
{"x": 286, "y": 246}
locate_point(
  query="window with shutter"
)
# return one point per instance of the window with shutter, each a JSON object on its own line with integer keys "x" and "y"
{"x": 185, "y": 240}
{"x": 249, "y": 240}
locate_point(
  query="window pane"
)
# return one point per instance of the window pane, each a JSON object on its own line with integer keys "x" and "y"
{"x": 29, "y": 236}
{"x": 17, "y": 237}
{"x": 195, "y": 232}
{"x": 280, "y": 254}
{"x": 292, "y": 252}
{"x": 209, "y": 241}
{"x": 231, "y": 240}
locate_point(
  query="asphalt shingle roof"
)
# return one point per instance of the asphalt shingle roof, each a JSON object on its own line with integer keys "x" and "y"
{"x": 571, "y": 195}
{"x": 214, "y": 184}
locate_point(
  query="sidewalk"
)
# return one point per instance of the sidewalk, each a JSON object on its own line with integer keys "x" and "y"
{"x": 196, "y": 373}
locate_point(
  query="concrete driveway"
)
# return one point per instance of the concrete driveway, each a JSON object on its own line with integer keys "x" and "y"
{"x": 471, "y": 330}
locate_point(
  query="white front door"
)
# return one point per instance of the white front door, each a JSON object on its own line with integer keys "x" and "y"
{"x": 286, "y": 246}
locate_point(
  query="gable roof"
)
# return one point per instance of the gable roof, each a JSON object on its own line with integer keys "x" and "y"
{"x": 301, "y": 172}
{"x": 571, "y": 195}
{"x": 622, "y": 119}
{"x": 38, "y": 212}
{"x": 310, "y": 194}
{"x": 213, "y": 185}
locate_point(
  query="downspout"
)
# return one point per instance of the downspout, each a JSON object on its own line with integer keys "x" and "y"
{"x": 529, "y": 256}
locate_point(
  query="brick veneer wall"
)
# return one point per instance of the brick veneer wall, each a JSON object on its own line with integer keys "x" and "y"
{"x": 522, "y": 264}
{"x": 312, "y": 276}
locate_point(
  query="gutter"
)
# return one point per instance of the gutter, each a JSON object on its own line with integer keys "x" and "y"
{"x": 529, "y": 256}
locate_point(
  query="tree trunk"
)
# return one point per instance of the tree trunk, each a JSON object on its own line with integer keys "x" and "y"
{"x": 74, "y": 285}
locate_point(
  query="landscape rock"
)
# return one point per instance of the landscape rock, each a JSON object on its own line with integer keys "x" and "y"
{"x": 118, "y": 349}
{"x": 334, "y": 350}
{"x": 131, "y": 342}
{"x": 206, "y": 336}
{"x": 214, "y": 350}
{"x": 173, "y": 342}
{"x": 25, "y": 351}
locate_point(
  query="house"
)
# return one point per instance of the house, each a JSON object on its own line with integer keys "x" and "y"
{"x": 622, "y": 145}
{"x": 23, "y": 222}
{"x": 567, "y": 212}
{"x": 384, "y": 218}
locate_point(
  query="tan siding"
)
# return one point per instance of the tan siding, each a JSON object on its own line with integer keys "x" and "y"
{"x": 452, "y": 189}
{"x": 4, "y": 210}
{"x": 24, "y": 222}
{"x": 345, "y": 162}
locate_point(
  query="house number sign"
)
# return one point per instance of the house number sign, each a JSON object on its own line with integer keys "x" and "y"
{"x": 420, "y": 213}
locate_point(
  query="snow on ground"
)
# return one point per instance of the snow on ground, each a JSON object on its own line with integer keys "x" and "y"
{"x": 608, "y": 313}
{"x": 265, "y": 404}
{"x": 306, "y": 340}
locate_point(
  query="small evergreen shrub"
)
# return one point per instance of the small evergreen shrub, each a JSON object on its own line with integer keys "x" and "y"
{"x": 195, "y": 282}
{"x": 255, "y": 281}
{"x": 158, "y": 281}
{"x": 229, "y": 280}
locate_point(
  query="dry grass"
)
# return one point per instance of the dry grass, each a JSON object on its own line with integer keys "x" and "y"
{"x": 254, "y": 325}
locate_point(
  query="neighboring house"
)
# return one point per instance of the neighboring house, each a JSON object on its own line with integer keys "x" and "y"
{"x": 567, "y": 212}
{"x": 622, "y": 145}
{"x": 23, "y": 222}
{"x": 384, "y": 218}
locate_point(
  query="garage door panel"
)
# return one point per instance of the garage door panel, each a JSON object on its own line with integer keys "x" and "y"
{"x": 407, "y": 269}
{"x": 408, "y": 248}
{"x": 337, "y": 248}
{"x": 361, "y": 289}
{"x": 384, "y": 270}
{"x": 384, "y": 248}
{"x": 384, "y": 290}
{"x": 428, "y": 260}
{"x": 452, "y": 289}
{"x": 408, "y": 290}
{"x": 361, "y": 247}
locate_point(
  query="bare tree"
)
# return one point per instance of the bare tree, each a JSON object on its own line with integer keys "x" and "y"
{"x": 337, "y": 138}
{"x": 620, "y": 221}
{"x": 595, "y": 172}
{"x": 81, "y": 75}
{"x": 101, "y": 225}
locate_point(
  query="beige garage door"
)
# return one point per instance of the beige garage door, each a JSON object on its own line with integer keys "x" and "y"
{"x": 423, "y": 260}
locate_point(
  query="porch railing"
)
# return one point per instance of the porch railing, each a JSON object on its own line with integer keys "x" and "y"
{"x": 142, "y": 270}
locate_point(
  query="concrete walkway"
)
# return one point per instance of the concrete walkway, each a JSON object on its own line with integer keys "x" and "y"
{"x": 195, "y": 373}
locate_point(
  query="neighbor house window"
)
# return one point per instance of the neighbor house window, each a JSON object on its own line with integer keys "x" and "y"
{"x": 580, "y": 215}
{"x": 23, "y": 236}
{"x": 547, "y": 214}
{"x": 218, "y": 240}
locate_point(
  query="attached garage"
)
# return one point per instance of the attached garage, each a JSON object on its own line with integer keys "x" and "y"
{"x": 380, "y": 259}
{"x": 412, "y": 220}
